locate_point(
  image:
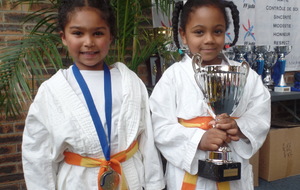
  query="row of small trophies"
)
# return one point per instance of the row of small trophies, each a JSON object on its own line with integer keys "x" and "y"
{"x": 269, "y": 62}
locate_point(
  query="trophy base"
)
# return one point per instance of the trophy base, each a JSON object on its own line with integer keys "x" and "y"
{"x": 282, "y": 88}
{"x": 219, "y": 171}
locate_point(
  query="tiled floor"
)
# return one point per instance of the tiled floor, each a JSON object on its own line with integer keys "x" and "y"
{"x": 289, "y": 183}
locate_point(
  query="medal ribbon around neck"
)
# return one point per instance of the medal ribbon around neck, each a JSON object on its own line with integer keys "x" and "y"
{"x": 104, "y": 141}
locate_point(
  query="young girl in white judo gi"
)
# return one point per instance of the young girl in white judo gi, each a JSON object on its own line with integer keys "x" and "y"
{"x": 177, "y": 97}
{"x": 89, "y": 126}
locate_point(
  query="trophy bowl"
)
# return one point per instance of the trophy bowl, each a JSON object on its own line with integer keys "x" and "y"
{"x": 251, "y": 57}
{"x": 283, "y": 49}
{"x": 222, "y": 87}
{"x": 241, "y": 51}
{"x": 229, "y": 52}
{"x": 262, "y": 48}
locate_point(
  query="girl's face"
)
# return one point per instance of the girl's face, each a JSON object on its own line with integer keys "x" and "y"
{"x": 88, "y": 38}
{"x": 205, "y": 33}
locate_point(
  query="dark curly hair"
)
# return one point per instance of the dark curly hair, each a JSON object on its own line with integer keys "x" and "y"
{"x": 68, "y": 7}
{"x": 191, "y": 5}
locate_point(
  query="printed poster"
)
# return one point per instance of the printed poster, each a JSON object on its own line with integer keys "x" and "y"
{"x": 262, "y": 22}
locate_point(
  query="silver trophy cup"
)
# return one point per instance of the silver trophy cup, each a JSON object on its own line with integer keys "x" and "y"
{"x": 241, "y": 51}
{"x": 270, "y": 60}
{"x": 251, "y": 57}
{"x": 222, "y": 87}
{"x": 281, "y": 85}
{"x": 282, "y": 52}
{"x": 261, "y": 50}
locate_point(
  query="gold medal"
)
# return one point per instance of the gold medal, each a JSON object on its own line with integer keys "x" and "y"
{"x": 109, "y": 180}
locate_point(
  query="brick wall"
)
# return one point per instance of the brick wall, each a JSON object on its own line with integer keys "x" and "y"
{"x": 11, "y": 175}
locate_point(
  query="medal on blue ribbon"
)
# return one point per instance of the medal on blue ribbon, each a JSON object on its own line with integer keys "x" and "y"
{"x": 110, "y": 179}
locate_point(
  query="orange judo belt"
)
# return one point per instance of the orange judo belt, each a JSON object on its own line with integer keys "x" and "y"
{"x": 114, "y": 163}
{"x": 189, "y": 180}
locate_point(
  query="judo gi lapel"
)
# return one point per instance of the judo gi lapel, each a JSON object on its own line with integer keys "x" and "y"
{"x": 130, "y": 114}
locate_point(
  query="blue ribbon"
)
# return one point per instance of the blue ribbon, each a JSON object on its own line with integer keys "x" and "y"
{"x": 104, "y": 142}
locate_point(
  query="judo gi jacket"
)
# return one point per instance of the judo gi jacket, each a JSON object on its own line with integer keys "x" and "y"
{"x": 59, "y": 121}
{"x": 176, "y": 95}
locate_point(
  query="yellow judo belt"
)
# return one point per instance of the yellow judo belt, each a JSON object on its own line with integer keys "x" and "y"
{"x": 189, "y": 180}
{"x": 114, "y": 163}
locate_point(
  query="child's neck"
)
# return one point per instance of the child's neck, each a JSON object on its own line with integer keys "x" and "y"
{"x": 216, "y": 61}
{"x": 96, "y": 67}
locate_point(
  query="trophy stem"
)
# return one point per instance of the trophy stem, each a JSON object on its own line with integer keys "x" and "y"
{"x": 282, "y": 63}
{"x": 219, "y": 167}
{"x": 260, "y": 64}
{"x": 268, "y": 79}
{"x": 222, "y": 155}
{"x": 282, "y": 86}
{"x": 282, "y": 52}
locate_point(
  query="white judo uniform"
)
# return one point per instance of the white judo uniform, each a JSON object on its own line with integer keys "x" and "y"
{"x": 59, "y": 120}
{"x": 177, "y": 95}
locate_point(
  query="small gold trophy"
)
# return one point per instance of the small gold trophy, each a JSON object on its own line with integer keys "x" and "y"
{"x": 222, "y": 87}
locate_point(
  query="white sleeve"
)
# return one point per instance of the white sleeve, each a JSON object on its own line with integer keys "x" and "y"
{"x": 39, "y": 169}
{"x": 177, "y": 143}
{"x": 255, "y": 119}
{"x": 154, "y": 177}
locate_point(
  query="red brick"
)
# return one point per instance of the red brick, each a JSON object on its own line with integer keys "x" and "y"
{"x": 20, "y": 168}
{"x": 142, "y": 69}
{"x": 36, "y": 7}
{"x": 4, "y": 129}
{"x": 19, "y": 127}
{"x": 9, "y": 29}
{"x": 144, "y": 79}
{"x": 1, "y": 18}
{"x": 27, "y": 27}
{"x": 7, "y": 6}
{"x": 11, "y": 178}
{"x": 8, "y": 169}
{"x": 14, "y": 17}
{"x": 8, "y": 149}
{"x": 10, "y": 119}
{"x": 10, "y": 159}
{"x": 2, "y": 39}
{"x": 13, "y": 38}
{"x": 10, "y": 138}
{"x": 25, "y": 7}
{"x": 19, "y": 147}
{"x": 11, "y": 186}
{"x": 22, "y": 185}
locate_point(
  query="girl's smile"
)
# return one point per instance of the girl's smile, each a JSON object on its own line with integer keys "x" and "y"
{"x": 90, "y": 54}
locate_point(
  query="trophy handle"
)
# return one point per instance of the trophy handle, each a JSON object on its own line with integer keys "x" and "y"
{"x": 197, "y": 62}
{"x": 246, "y": 65}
